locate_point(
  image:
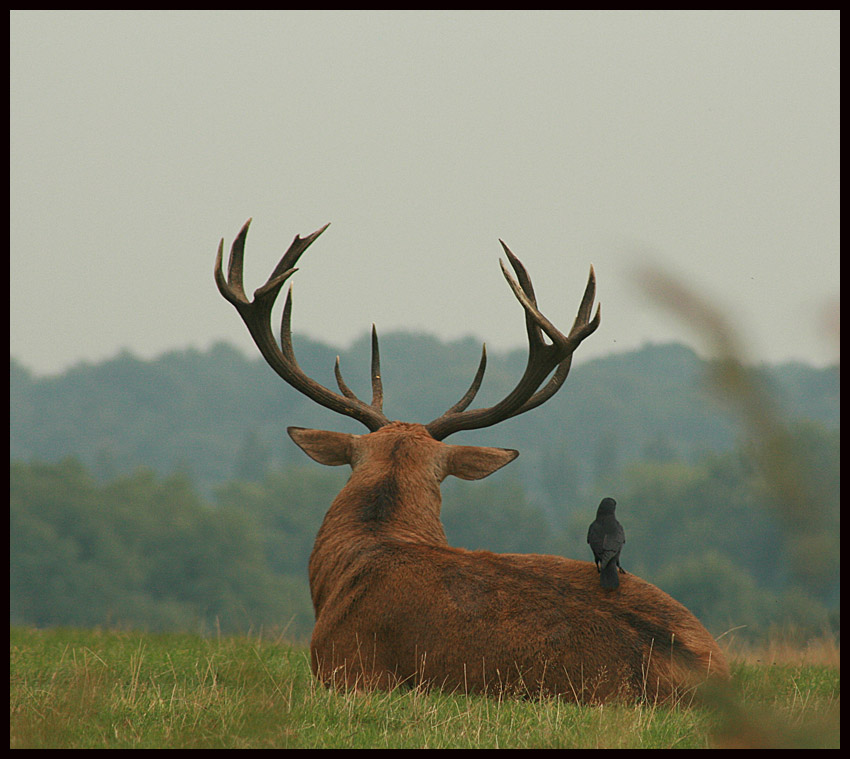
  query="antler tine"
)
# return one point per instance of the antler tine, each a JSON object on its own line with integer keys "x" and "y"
{"x": 543, "y": 358}
{"x": 473, "y": 388}
{"x": 257, "y": 317}
{"x": 580, "y": 326}
{"x": 377, "y": 385}
{"x": 286, "y": 328}
{"x": 535, "y": 334}
{"x": 298, "y": 246}
{"x": 344, "y": 389}
{"x": 232, "y": 288}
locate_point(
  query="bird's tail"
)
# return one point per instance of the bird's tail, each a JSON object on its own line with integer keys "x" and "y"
{"x": 608, "y": 576}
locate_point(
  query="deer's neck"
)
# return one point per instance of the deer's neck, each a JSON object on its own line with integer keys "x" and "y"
{"x": 397, "y": 505}
{"x": 369, "y": 511}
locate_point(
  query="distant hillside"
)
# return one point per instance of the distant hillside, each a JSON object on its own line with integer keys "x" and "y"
{"x": 166, "y": 494}
{"x": 215, "y": 414}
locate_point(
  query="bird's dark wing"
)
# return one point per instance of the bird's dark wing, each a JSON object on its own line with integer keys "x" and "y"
{"x": 613, "y": 541}
{"x": 596, "y": 537}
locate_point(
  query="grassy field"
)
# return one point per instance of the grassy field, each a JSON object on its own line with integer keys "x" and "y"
{"x": 96, "y": 689}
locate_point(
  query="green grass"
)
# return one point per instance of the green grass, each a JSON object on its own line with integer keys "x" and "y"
{"x": 95, "y": 689}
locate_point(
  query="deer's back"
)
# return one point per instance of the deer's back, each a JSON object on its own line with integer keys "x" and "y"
{"x": 479, "y": 621}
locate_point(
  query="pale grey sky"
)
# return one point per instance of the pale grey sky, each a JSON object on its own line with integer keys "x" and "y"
{"x": 704, "y": 141}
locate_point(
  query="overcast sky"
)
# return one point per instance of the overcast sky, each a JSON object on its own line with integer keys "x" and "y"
{"x": 706, "y": 142}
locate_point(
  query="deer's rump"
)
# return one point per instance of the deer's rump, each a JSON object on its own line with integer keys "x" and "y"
{"x": 483, "y": 622}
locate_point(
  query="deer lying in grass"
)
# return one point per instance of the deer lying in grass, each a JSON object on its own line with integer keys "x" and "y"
{"x": 396, "y": 605}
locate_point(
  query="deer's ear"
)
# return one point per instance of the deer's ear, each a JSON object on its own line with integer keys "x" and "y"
{"x": 329, "y": 448}
{"x": 471, "y": 462}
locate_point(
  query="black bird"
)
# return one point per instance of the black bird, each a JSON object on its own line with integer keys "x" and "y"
{"x": 606, "y": 537}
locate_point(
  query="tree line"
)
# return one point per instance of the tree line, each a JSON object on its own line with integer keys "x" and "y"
{"x": 217, "y": 415}
{"x": 160, "y": 494}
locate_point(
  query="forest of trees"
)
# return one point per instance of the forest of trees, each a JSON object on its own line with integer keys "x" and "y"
{"x": 165, "y": 494}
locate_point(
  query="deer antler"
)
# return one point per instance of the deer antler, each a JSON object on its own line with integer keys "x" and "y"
{"x": 257, "y": 317}
{"x": 543, "y": 358}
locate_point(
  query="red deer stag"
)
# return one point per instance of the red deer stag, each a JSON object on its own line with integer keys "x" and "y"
{"x": 395, "y": 604}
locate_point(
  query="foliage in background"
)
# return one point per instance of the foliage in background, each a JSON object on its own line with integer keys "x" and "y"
{"x": 137, "y": 552}
{"x": 165, "y": 495}
{"x": 217, "y": 415}
{"x": 152, "y": 553}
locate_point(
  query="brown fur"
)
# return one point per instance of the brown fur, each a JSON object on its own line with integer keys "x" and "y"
{"x": 396, "y": 605}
